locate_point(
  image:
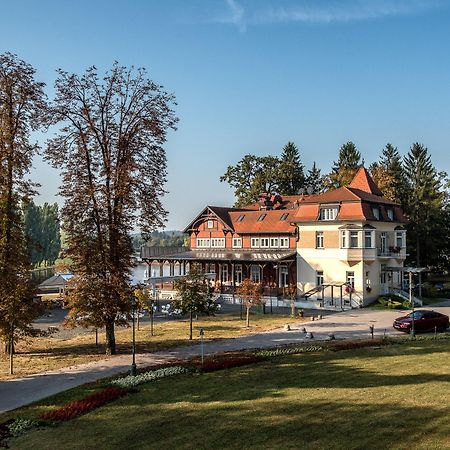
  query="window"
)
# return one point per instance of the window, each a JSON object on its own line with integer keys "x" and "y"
{"x": 399, "y": 239}
{"x": 351, "y": 279}
{"x": 390, "y": 214}
{"x": 284, "y": 216}
{"x": 368, "y": 239}
{"x": 328, "y": 213}
{"x": 284, "y": 276}
{"x": 376, "y": 212}
{"x": 240, "y": 218}
{"x": 237, "y": 242}
{"x": 262, "y": 217}
{"x": 354, "y": 239}
{"x": 255, "y": 273}
{"x": 203, "y": 243}
{"x": 210, "y": 223}
{"x": 264, "y": 242}
{"x": 319, "y": 239}
{"x": 238, "y": 273}
{"x": 225, "y": 273}
{"x": 284, "y": 242}
{"x": 218, "y": 242}
{"x": 319, "y": 277}
{"x": 274, "y": 242}
{"x": 343, "y": 239}
{"x": 211, "y": 268}
{"x": 254, "y": 242}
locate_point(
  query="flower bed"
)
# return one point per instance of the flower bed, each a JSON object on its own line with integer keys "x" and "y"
{"x": 289, "y": 351}
{"x": 78, "y": 407}
{"x": 227, "y": 361}
{"x": 151, "y": 375}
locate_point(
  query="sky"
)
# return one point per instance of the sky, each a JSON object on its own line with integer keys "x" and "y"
{"x": 251, "y": 75}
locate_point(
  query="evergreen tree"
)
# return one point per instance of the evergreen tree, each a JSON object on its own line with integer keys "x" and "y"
{"x": 314, "y": 182}
{"x": 22, "y": 109}
{"x": 423, "y": 206}
{"x": 345, "y": 168}
{"x": 388, "y": 174}
{"x": 291, "y": 176}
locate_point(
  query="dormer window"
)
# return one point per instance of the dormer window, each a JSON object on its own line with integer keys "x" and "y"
{"x": 390, "y": 214}
{"x": 241, "y": 218}
{"x": 328, "y": 213}
{"x": 262, "y": 217}
{"x": 376, "y": 212}
{"x": 284, "y": 216}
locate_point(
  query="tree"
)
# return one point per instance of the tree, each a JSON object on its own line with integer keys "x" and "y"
{"x": 194, "y": 295}
{"x": 424, "y": 206}
{"x": 314, "y": 182}
{"x": 43, "y": 233}
{"x": 291, "y": 176}
{"x": 252, "y": 176}
{"x": 346, "y": 166}
{"x": 110, "y": 151}
{"x": 388, "y": 174}
{"x": 250, "y": 293}
{"x": 144, "y": 301}
{"x": 22, "y": 109}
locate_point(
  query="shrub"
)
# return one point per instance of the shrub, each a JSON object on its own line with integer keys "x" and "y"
{"x": 78, "y": 407}
{"x": 281, "y": 351}
{"x": 20, "y": 425}
{"x": 151, "y": 375}
{"x": 222, "y": 362}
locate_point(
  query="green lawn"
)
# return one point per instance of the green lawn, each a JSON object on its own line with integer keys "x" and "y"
{"x": 395, "y": 397}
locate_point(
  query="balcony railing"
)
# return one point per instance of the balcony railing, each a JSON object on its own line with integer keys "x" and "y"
{"x": 392, "y": 252}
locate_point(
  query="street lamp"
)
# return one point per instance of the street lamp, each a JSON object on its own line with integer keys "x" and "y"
{"x": 133, "y": 348}
{"x": 410, "y": 271}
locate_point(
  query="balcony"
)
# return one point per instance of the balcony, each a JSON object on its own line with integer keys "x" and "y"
{"x": 392, "y": 252}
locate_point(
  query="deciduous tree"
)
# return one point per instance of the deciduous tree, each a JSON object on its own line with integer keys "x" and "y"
{"x": 110, "y": 151}
{"x": 194, "y": 295}
{"x": 250, "y": 293}
{"x": 22, "y": 109}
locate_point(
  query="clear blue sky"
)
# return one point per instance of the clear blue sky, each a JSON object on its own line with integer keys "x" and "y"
{"x": 251, "y": 75}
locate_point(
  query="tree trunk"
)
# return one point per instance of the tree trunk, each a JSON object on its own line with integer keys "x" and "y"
{"x": 190, "y": 325}
{"x": 110, "y": 338}
{"x": 292, "y": 308}
{"x": 248, "y": 317}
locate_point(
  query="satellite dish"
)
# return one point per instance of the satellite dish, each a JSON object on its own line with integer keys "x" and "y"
{"x": 310, "y": 190}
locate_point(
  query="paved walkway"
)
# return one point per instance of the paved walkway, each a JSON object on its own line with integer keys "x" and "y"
{"x": 352, "y": 324}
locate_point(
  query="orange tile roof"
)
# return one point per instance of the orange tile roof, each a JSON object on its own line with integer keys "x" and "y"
{"x": 270, "y": 224}
{"x": 363, "y": 181}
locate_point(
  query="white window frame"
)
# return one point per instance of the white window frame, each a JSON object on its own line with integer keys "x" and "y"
{"x": 274, "y": 242}
{"x": 370, "y": 235}
{"x": 328, "y": 213}
{"x": 376, "y": 212}
{"x": 264, "y": 242}
{"x": 238, "y": 273}
{"x": 217, "y": 242}
{"x": 344, "y": 239}
{"x": 284, "y": 276}
{"x": 254, "y": 242}
{"x": 352, "y": 236}
{"x": 390, "y": 213}
{"x": 319, "y": 239}
{"x": 203, "y": 243}
{"x": 210, "y": 224}
{"x": 237, "y": 242}
{"x": 319, "y": 277}
{"x": 224, "y": 274}
{"x": 350, "y": 278}
{"x": 284, "y": 242}
{"x": 255, "y": 273}
{"x": 400, "y": 235}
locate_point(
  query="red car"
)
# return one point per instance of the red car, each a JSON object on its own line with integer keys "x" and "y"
{"x": 424, "y": 320}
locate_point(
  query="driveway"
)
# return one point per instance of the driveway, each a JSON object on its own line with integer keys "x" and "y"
{"x": 352, "y": 324}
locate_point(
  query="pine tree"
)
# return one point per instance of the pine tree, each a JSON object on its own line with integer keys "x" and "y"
{"x": 345, "y": 168}
{"x": 423, "y": 206}
{"x": 22, "y": 110}
{"x": 291, "y": 176}
{"x": 314, "y": 180}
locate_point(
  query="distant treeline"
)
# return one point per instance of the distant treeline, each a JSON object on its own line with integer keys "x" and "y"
{"x": 171, "y": 238}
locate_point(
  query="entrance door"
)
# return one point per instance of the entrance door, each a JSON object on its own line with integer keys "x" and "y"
{"x": 383, "y": 242}
{"x": 384, "y": 285}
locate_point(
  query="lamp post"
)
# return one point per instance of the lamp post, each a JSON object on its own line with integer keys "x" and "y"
{"x": 133, "y": 348}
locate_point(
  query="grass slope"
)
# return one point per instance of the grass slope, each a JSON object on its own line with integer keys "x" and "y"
{"x": 395, "y": 397}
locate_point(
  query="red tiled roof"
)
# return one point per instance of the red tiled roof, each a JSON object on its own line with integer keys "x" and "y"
{"x": 363, "y": 181}
{"x": 270, "y": 224}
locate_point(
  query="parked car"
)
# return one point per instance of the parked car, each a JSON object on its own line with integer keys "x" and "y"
{"x": 424, "y": 320}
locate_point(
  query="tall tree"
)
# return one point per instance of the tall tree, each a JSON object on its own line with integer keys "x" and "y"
{"x": 423, "y": 206}
{"x": 291, "y": 176}
{"x": 43, "y": 233}
{"x": 388, "y": 174}
{"x": 314, "y": 181}
{"x": 110, "y": 151}
{"x": 194, "y": 295}
{"x": 252, "y": 176}
{"x": 22, "y": 110}
{"x": 344, "y": 169}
